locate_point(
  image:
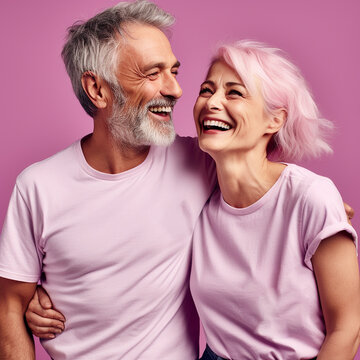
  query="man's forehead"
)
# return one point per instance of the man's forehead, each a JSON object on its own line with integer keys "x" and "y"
{"x": 138, "y": 34}
{"x": 147, "y": 46}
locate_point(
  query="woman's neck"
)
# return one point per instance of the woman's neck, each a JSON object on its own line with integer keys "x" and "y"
{"x": 245, "y": 178}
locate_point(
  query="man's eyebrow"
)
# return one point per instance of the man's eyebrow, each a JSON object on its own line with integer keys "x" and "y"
{"x": 160, "y": 65}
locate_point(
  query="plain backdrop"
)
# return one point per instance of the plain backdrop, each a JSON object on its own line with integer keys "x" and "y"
{"x": 40, "y": 115}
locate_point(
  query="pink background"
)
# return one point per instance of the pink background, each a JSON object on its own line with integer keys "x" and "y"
{"x": 40, "y": 114}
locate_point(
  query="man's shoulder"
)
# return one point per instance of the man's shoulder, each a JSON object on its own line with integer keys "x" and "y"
{"x": 50, "y": 167}
{"x": 187, "y": 158}
{"x": 185, "y": 150}
{"x": 185, "y": 141}
{"x": 186, "y": 145}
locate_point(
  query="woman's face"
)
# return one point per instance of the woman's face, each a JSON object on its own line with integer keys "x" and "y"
{"x": 227, "y": 117}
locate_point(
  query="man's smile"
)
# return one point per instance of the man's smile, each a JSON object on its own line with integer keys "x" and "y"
{"x": 163, "y": 111}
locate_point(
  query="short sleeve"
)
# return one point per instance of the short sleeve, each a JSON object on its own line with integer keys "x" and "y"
{"x": 19, "y": 256}
{"x": 323, "y": 216}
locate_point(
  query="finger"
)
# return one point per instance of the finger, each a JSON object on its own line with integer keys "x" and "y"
{"x": 35, "y": 321}
{"x": 45, "y": 302}
{"x": 45, "y": 336}
{"x": 44, "y": 298}
{"x": 51, "y": 314}
{"x": 35, "y": 307}
{"x": 349, "y": 211}
{"x": 45, "y": 331}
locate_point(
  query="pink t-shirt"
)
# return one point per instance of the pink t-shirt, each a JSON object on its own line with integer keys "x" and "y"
{"x": 252, "y": 279}
{"x": 114, "y": 250}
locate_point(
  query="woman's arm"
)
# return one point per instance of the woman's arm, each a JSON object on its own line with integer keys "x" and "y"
{"x": 337, "y": 275}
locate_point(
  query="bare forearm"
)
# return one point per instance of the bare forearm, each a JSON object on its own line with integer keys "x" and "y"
{"x": 340, "y": 345}
{"x": 15, "y": 341}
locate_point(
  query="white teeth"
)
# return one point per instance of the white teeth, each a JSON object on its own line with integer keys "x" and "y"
{"x": 160, "y": 109}
{"x": 217, "y": 124}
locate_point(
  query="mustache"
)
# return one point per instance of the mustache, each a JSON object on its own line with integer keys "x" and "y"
{"x": 161, "y": 102}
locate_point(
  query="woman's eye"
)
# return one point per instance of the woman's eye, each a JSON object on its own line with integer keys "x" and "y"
{"x": 175, "y": 72}
{"x": 205, "y": 91}
{"x": 236, "y": 93}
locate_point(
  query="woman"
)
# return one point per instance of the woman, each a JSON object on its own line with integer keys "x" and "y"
{"x": 275, "y": 229}
{"x": 275, "y": 272}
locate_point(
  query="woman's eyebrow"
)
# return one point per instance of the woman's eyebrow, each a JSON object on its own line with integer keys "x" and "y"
{"x": 209, "y": 82}
{"x": 232, "y": 83}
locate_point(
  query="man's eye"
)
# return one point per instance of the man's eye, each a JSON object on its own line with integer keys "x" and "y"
{"x": 153, "y": 75}
{"x": 205, "y": 91}
{"x": 175, "y": 72}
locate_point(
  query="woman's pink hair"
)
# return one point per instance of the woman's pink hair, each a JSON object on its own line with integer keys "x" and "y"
{"x": 283, "y": 87}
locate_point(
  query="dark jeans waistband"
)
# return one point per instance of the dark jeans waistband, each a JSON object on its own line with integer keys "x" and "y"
{"x": 210, "y": 355}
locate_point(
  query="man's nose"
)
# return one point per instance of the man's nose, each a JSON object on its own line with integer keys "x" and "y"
{"x": 171, "y": 87}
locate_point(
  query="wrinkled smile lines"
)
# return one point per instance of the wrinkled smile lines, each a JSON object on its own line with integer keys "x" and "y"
{"x": 213, "y": 124}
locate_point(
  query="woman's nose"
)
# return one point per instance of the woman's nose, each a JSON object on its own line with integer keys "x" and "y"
{"x": 214, "y": 102}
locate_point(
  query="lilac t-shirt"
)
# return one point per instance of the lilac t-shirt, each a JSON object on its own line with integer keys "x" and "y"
{"x": 252, "y": 278}
{"x": 114, "y": 250}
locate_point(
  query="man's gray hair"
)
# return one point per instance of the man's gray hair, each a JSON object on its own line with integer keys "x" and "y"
{"x": 92, "y": 45}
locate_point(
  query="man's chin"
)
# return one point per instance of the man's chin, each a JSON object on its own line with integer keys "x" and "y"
{"x": 166, "y": 141}
{"x": 163, "y": 135}
{"x": 160, "y": 139}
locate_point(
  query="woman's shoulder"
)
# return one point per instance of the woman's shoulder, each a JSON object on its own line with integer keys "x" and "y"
{"x": 313, "y": 190}
{"x": 304, "y": 179}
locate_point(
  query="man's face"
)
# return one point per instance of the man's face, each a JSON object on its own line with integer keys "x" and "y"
{"x": 147, "y": 72}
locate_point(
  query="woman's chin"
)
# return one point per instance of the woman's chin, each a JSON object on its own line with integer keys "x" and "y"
{"x": 211, "y": 147}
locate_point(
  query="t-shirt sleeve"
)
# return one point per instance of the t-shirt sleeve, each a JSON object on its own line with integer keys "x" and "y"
{"x": 323, "y": 216}
{"x": 19, "y": 256}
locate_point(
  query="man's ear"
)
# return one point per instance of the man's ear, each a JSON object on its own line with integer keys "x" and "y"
{"x": 96, "y": 89}
{"x": 277, "y": 121}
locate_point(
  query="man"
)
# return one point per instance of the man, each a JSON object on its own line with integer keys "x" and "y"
{"x": 107, "y": 222}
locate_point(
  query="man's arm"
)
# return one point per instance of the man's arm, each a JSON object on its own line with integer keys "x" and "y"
{"x": 15, "y": 340}
{"x": 42, "y": 319}
{"x": 337, "y": 275}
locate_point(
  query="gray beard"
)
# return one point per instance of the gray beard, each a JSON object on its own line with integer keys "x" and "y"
{"x": 132, "y": 127}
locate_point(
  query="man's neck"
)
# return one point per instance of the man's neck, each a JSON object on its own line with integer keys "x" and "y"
{"x": 105, "y": 155}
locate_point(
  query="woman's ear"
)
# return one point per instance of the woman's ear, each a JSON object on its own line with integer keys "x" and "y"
{"x": 96, "y": 89}
{"x": 277, "y": 121}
